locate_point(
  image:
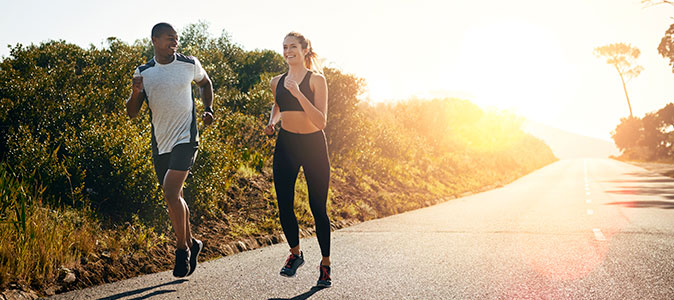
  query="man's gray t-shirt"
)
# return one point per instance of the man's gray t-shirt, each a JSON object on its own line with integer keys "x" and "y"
{"x": 169, "y": 95}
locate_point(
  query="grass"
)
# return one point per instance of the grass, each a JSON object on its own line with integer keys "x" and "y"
{"x": 36, "y": 240}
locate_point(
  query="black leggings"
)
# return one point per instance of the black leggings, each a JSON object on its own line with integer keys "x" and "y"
{"x": 311, "y": 152}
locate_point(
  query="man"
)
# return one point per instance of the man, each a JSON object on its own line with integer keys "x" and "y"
{"x": 165, "y": 84}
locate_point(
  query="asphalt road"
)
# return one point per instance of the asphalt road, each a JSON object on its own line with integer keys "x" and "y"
{"x": 576, "y": 229}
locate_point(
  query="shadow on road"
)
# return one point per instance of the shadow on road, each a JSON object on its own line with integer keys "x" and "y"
{"x": 302, "y": 296}
{"x": 643, "y": 174}
{"x": 666, "y": 192}
{"x": 646, "y": 204}
{"x": 657, "y": 180}
{"x": 138, "y": 291}
{"x": 640, "y": 186}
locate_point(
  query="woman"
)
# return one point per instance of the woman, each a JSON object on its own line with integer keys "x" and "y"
{"x": 301, "y": 103}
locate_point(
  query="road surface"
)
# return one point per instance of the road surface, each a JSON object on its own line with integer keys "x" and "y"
{"x": 576, "y": 229}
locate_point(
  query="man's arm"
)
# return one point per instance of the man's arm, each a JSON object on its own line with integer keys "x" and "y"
{"x": 206, "y": 89}
{"x": 135, "y": 101}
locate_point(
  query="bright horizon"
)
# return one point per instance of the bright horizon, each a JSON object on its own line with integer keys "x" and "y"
{"x": 534, "y": 58}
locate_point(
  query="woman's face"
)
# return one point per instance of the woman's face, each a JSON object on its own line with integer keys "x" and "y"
{"x": 292, "y": 50}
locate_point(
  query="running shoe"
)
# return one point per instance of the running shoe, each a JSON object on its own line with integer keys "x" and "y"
{"x": 197, "y": 245}
{"x": 324, "y": 278}
{"x": 292, "y": 263}
{"x": 182, "y": 266}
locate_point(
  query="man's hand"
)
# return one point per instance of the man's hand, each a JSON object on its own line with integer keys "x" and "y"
{"x": 207, "y": 117}
{"x": 134, "y": 102}
{"x": 137, "y": 84}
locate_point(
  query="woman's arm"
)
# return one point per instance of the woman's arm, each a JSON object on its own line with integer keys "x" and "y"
{"x": 275, "y": 114}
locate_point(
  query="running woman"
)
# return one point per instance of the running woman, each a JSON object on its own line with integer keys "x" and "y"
{"x": 164, "y": 83}
{"x": 301, "y": 104}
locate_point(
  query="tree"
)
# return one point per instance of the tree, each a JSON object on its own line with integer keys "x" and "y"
{"x": 623, "y": 57}
{"x": 346, "y": 127}
{"x": 666, "y": 119}
{"x": 649, "y": 3}
{"x": 666, "y": 47}
{"x": 652, "y": 137}
{"x": 627, "y": 134}
{"x": 252, "y": 64}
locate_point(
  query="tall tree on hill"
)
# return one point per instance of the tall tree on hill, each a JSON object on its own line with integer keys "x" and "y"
{"x": 623, "y": 57}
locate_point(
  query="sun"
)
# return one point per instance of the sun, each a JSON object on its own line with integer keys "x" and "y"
{"x": 515, "y": 65}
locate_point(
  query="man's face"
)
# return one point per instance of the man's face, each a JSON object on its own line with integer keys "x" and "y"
{"x": 166, "y": 44}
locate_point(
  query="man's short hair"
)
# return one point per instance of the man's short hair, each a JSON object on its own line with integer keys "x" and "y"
{"x": 160, "y": 28}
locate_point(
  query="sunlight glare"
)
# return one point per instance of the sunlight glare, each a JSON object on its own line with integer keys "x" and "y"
{"x": 514, "y": 65}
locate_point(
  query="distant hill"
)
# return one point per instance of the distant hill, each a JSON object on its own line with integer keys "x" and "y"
{"x": 570, "y": 145}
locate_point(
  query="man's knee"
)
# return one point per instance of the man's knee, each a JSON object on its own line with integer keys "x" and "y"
{"x": 172, "y": 198}
{"x": 174, "y": 179}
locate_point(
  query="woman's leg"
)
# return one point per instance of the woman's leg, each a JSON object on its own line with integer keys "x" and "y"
{"x": 317, "y": 173}
{"x": 285, "y": 175}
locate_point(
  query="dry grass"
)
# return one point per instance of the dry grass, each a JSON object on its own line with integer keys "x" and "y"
{"x": 36, "y": 240}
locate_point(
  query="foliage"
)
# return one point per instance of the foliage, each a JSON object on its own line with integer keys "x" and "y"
{"x": 648, "y": 138}
{"x": 345, "y": 129}
{"x": 648, "y": 3}
{"x": 64, "y": 129}
{"x": 666, "y": 46}
{"x": 623, "y": 57}
{"x": 35, "y": 240}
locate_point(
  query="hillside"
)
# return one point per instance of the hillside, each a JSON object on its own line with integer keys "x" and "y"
{"x": 567, "y": 145}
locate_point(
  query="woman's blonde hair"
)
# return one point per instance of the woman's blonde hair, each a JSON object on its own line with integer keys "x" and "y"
{"x": 311, "y": 61}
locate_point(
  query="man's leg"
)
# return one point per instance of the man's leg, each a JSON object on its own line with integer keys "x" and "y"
{"x": 188, "y": 228}
{"x": 178, "y": 211}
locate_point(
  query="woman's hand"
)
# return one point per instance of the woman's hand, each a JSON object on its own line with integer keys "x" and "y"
{"x": 269, "y": 130}
{"x": 291, "y": 86}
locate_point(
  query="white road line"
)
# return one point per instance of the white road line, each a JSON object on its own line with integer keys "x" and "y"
{"x": 590, "y": 212}
{"x": 588, "y": 201}
{"x": 587, "y": 193}
{"x": 598, "y": 235}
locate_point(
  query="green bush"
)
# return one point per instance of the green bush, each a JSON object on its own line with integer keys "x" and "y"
{"x": 111, "y": 160}
{"x": 63, "y": 128}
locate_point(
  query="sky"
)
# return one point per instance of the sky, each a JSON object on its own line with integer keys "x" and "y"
{"x": 532, "y": 57}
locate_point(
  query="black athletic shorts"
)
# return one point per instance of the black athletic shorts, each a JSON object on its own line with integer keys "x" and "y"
{"x": 180, "y": 158}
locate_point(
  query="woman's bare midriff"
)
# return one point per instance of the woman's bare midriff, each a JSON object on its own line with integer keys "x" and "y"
{"x": 297, "y": 122}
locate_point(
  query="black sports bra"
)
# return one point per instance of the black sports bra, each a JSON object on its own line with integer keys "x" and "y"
{"x": 286, "y": 101}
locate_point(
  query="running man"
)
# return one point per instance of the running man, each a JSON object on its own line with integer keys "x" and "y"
{"x": 165, "y": 84}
